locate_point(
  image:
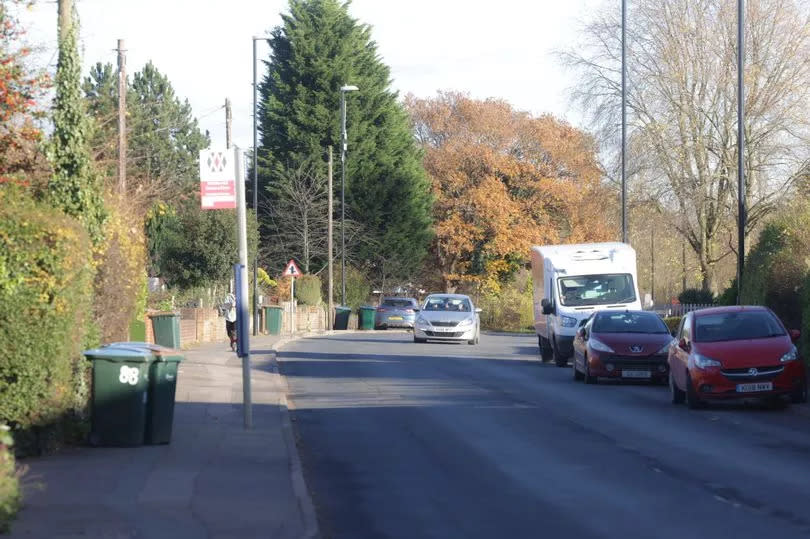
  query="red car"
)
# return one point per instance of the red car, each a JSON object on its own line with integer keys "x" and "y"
{"x": 735, "y": 352}
{"x": 622, "y": 344}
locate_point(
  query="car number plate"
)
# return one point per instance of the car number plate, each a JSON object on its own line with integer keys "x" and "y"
{"x": 635, "y": 374}
{"x": 395, "y": 318}
{"x": 759, "y": 386}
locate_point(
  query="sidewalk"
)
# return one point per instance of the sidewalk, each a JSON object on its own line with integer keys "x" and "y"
{"x": 215, "y": 479}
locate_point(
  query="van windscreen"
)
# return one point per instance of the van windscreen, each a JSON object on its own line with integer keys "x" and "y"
{"x": 608, "y": 289}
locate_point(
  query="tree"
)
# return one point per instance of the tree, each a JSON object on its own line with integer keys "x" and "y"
{"x": 164, "y": 138}
{"x": 503, "y": 181}
{"x": 74, "y": 186}
{"x": 316, "y": 50}
{"x": 20, "y": 86}
{"x": 682, "y": 109}
{"x": 200, "y": 247}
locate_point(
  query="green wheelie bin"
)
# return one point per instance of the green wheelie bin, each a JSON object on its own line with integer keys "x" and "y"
{"x": 342, "y": 317}
{"x": 120, "y": 395}
{"x": 162, "y": 389}
{"x": 272, "y": 317}
{"x": 166, "y": 328}
{"x": 367, "y": 317}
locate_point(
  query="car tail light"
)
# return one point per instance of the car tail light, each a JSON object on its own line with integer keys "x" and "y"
{"x": 380, "y": 309}
{"x": 408, "y": 311}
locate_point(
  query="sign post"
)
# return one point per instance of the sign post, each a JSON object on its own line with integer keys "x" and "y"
{"x": 292, "y": 271}
{"x": 222, "y": 187}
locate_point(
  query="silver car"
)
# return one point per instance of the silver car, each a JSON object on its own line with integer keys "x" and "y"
{"x": 396, "y": 313}
{"x": 448, "y": 317}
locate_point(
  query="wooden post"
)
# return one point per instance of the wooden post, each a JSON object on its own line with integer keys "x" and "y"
{"x": 122, "y": 117}
{"x": 331, "y": 302}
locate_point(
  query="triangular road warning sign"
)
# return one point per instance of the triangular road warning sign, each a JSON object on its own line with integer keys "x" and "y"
{"x": 292, "y": 269}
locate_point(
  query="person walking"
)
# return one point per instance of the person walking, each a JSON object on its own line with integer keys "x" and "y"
{"x": 229, "y": 308}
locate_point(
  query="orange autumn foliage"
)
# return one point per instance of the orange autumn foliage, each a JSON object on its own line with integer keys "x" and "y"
{"x": 503, "y": 181}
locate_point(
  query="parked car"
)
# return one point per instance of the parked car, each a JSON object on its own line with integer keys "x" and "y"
{"x": 626, "y": 345}
{"x": 735, "y": 352}
{"x": 396, "y": 313}
{"x": 448, "y": 317}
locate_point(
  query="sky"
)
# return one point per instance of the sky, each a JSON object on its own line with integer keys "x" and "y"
{"x": 502, "y": 49}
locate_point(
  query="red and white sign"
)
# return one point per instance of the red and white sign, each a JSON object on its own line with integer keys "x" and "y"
{"x": 218, "y": 173}
{"x": 292, "y": 270}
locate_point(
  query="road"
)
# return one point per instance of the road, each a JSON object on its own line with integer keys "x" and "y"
{"x": 441, "y": 440}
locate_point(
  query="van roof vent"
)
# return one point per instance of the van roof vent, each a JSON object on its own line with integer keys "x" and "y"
{"x": 594, "y": 254}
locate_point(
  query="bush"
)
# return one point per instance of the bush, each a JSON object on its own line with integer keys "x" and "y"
{"x": 696, "y": 296}
{"x": 45, "y": 305}
{"x": 308, "y": 290}
{"x": 9, "y": 483}
{"x": 121, "y": 278}
{"x": 358, "y": 287}
{"x": 511, "y": 307}
{"x": 673, "y": 322}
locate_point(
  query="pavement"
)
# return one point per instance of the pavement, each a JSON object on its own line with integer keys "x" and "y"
{"x": 214, "y": 480}
{"x": 405, "y": 440}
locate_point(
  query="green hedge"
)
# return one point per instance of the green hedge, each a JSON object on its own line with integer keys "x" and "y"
{"x": 308, "y": 290}
{"x": 9, "y": 483}
{"x": 673, "y": 322}
{"x": 45, "y": 309}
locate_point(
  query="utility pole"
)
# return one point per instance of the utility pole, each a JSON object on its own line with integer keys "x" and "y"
{"x": 330, "y": 312}
{"x": 652, "y": 265}
{"x": 255, "y": 194}
{"x": 65, "y": 21}
{"x": 741, "y": 210}
{"x": 228, "y": 123}
{"x": 683, "y": 266}
{"x": 624, "y": 122}
{"x": 122, "y": 117}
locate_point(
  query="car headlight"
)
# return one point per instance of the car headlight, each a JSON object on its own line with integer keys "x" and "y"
{"x": 665, "y": 349}
{"x": 421, "y": 320}
{"x": 599, "y": 346}
{"x": 704, "y": 362}
{"x": 466, "y": 322}
{"x": 790, "y": 356}
{"x": 568, "y": 321}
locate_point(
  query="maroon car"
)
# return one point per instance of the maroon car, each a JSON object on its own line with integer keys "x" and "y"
{"x": 732, "y": 353}
{"x": 622, "y": 344}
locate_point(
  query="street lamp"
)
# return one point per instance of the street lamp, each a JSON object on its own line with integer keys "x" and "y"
{"x": 255, "y": 197}
{"x": 343, "y": 147}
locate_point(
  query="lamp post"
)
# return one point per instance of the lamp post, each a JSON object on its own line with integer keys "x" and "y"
{"x": 624, "y": 121}
{"x": 255, "y": 196}
{"x": 741, "y": 209}
{"x": 343, "y": 147}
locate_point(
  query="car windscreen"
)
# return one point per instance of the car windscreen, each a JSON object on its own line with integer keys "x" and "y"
{"x": 629, "y": 323}
{"x": 448, "y": 304}
{"x": 737, "y": 326}
{"x": 400, "y": 303}
{"x": 608, "y": 289}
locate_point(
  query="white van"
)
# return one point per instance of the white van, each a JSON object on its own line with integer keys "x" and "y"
{"x": 571, "y": 282}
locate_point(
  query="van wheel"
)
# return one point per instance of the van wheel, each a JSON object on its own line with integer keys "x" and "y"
{"x": 418, "y": 340}
{"x": 545, "y": 349}
{"x": 677, "y": 395}
{"x": 587, "y": 376}
{"x": 577, "y": 375}
{"x": 692, "y": 400}
{"x": 800, "y": 395}
{"x": 558, "y": 359}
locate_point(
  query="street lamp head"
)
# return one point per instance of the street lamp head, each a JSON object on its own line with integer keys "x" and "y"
{"x": 349, "y": 88}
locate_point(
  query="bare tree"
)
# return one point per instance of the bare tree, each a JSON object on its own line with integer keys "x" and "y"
{"x": 682, "y": 108}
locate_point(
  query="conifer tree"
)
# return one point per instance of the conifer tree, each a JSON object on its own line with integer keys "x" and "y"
{"x": 318, "y": 48}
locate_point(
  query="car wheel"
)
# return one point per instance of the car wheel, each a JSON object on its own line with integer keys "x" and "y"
{"x": 545, "y": 349}
{"x": 419, "y": 340}
{"x": 800, "y": 395}
{"x": 577, "y": 375}
{"x": 692, "y": 400}
{"x": 558, "y": 359}
{"x": 587, "y": 376}
{"x": 677, "y": 395}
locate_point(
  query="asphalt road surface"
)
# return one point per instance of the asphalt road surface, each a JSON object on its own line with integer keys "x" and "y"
{"x": 442, "y": 440}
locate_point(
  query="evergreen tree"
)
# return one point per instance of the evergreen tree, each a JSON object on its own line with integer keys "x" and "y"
{"x": 316, "y": 50}
{"x": 164, "y": 137}
{"x": 74, "y": 186}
